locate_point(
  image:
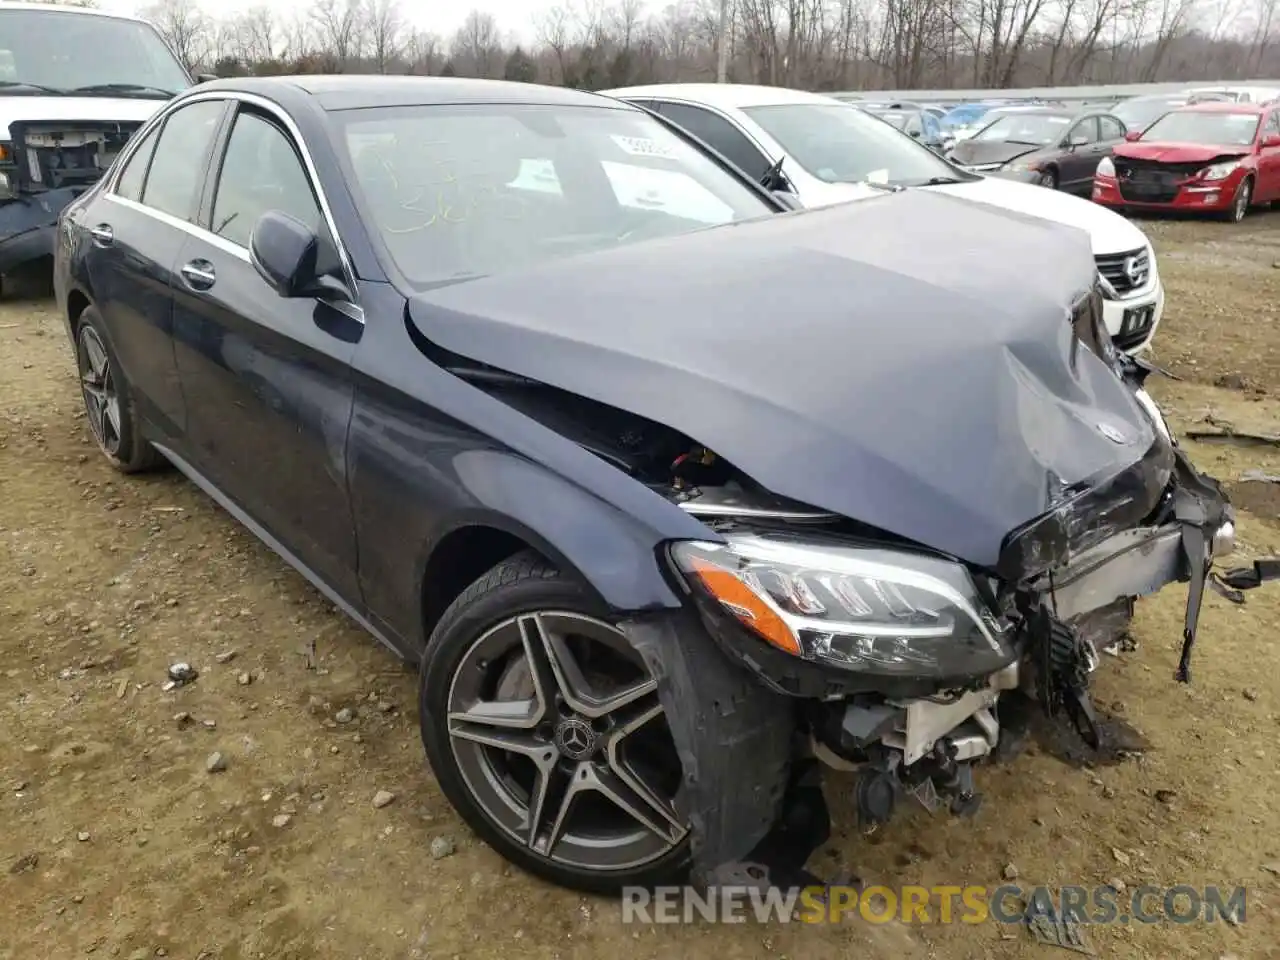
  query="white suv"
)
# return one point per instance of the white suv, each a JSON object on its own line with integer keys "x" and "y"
{"x": 832, "y": 152}
{"x": 74, "y": 86}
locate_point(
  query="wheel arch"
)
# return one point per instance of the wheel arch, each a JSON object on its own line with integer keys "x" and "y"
{"x": 472, "y": 545}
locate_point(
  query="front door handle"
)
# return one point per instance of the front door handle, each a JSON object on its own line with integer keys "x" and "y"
{"x": 199, "y": 274}
{"x": 102, "y": 234}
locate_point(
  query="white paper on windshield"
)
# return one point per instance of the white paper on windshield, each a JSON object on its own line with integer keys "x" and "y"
{"x": 878, "y": 176}
{"x": 643, "y": 147}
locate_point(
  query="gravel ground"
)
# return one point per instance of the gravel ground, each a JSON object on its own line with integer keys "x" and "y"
{"x": 128, "y": 838}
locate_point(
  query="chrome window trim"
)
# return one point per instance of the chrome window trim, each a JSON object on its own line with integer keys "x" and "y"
{"x": 313, "y": 176}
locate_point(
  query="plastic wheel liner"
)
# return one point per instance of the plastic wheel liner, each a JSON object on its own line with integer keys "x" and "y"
{"x": 735, "y": 740}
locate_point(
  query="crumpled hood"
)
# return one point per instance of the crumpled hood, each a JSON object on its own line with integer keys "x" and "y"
{"x": 990, "y": 151}
{"x": 124, "y": 109}
{"x": 1179, "y": 152}
{"x": 906, "y": 361}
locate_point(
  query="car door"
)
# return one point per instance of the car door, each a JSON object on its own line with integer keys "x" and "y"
{"x": 136, "y": 227}
{"x": 1268, "y": 185}
{"x": 720, "y": 134}
{"x": 267, "y": 379}
{"x": 1080, "y": 158}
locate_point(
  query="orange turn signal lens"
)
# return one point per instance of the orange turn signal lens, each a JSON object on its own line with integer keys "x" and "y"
{"x": 745, "y": 604}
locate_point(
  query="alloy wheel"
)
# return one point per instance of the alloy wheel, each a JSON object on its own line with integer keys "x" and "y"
{"x": 98, "y": 385}
{"x": 557, "y": 730}
{"x": 1240, "y": 207}
{"x": 1048, "y": 179}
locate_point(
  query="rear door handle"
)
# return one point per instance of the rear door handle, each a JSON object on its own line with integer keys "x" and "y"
{"x": 102, "y": 234}
{"x": 199, "y": 274}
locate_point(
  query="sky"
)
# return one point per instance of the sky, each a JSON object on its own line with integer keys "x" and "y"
{"x": 513, "y": 16}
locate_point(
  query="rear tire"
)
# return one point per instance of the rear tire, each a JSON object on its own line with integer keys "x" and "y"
{"x": 108, "y": 400}
{"x": 512, "y": 733}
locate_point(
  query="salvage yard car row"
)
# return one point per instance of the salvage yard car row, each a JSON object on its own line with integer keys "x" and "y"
{"x": 565, "y": 403}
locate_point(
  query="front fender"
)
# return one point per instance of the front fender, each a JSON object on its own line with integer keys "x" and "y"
{"x": 613, "y": 553}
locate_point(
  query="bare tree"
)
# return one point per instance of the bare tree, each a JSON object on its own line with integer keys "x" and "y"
{"x": 338, "y": 24}
{"x": 386, "y": 32}
{"x": 477, "y": 46}
{"x": 184, "y": 26}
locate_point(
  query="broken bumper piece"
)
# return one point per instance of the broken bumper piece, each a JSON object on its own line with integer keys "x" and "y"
{"x": 28, "y": 226}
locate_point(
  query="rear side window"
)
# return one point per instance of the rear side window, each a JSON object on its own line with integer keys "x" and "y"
{"x": 179, "y": 164}
{"x": 129, "y": 185}
{"x": 260, "y": 172}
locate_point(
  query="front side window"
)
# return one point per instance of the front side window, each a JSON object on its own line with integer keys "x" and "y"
{"x": 721, "y": 135}
{"x": 260, "y": 172}
{"x": 86, "y": 52}
{"x": 1192, "y": 126}
{"x": 461, "y": 191}
{"x": 1273, "y": 125}
{"x": 178, "y": 167}
{"x": 1111, "y": 128}
{"x": 1086, "y": 131}
{"x": 840, "y": 143}
{"x": 129, "y": 185}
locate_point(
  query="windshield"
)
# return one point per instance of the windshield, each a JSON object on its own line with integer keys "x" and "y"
{"x": 1140, "y": 114}
{"x": 896, "y": 119}
{"x": 1235, "y": 129}
{"x": 460, "y": 191}
{"x": 64, "y": 51}
{"x": 1030, "y": 128}
{"x": 842, "y": 144}
{"x": 969, "y": 113}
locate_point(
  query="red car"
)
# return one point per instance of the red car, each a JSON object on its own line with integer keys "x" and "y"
{"x": 1219, "y": 157}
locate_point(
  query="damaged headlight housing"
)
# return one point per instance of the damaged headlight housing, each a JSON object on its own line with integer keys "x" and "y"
{"x": 865, "y": 609}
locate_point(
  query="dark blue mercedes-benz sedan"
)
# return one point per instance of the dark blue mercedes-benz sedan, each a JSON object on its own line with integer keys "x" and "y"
{"x": 670, "y": 492}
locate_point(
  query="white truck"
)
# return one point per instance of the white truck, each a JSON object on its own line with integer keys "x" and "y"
{"x": 75, "y": 83}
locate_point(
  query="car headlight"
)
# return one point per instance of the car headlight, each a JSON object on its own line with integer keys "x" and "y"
{"x": 6, "y": 171}
{"x": 1106, "y": 168}
{"x": 1219, "y": 171}
{"x": 861, "y": 608}
{"x": 1156, "y": 414}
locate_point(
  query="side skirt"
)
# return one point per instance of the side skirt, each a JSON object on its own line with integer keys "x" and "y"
{"x": 285, "y": 554}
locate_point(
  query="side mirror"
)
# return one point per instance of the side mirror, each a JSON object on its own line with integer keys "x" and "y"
{"x": 787, "y": 199}
{"x": 206, "y": 77}
{"x": 1133, "y": 136}
{"x": 293, "y": 260}
{"x": 1271, "y": 140}
{"x": 914, "y": 134}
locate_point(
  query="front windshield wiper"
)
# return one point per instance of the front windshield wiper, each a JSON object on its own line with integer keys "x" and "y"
{"x": 1024, "y": 143}
{"x": 124, "y": 88}
{"x": 18, "y": 86}
{"x": 938, "y": 182}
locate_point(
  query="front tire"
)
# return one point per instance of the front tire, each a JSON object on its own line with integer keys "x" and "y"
{"x": 545, "y": 732}
{"x": 108, "y": 400}
{"x": 1048, "y": 179}
{"x": 1241, "y": 201}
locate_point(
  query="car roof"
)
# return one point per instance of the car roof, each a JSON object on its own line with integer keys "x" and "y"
{"x": 357, "y": 91}
{"x": 79, "y": 11}
{"x": 1222, "y": 106}
{"x": 725, "y": 94}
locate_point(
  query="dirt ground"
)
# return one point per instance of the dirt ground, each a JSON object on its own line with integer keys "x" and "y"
{"x": 118, "y": 842}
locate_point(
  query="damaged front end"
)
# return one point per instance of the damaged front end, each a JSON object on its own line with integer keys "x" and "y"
{"x": 907, "y": 667}
{"x": 43, "y": 167}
